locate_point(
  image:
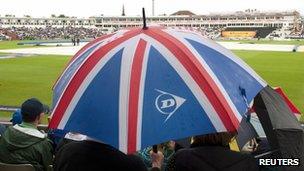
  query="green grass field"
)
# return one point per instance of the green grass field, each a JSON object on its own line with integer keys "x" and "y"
{"x": 22, "y": 78}
{"x": 29, "y": 76}
{"x": 13, "y": 44}
{"x": 283, "y": 69}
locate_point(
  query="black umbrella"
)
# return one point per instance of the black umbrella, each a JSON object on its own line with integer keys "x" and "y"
{"x": 283, "y": 131}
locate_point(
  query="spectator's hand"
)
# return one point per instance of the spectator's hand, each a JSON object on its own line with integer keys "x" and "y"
{"x": 157, "y": 159}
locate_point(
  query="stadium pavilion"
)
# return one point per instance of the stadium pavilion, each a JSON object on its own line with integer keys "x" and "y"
{"x": 248, "y": 23}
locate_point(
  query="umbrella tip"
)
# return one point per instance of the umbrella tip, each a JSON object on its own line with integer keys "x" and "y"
{"x": 144, "y": 19}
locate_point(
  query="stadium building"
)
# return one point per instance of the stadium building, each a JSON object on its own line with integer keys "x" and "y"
{"x": 241, "y": 24}
{"x": 248, "y": 18}
{"x": 12, "y": 21}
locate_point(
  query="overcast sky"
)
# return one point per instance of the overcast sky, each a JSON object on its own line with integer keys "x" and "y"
{"x": 87, "y": 8}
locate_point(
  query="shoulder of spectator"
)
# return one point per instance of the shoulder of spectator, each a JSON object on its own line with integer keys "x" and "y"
{"x": 154, "y": 169}
{"x": 171, "y": 163}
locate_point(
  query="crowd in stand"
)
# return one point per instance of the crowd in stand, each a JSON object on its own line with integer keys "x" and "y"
{"x": 288, "y": 33}
{"x": 48, "y": 33}
{"x": 69, "y": 151}
{"x": 299, "y": 34}
{"x": 212, "y": 33}
{"x": 45, "y": 33}
{"x": 3, "y": 36}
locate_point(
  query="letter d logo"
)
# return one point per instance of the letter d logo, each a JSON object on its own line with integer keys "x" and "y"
{"x": 167, "y": 103}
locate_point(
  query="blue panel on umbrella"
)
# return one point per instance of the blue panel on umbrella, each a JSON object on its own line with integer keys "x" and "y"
{"x": 166, "y": 93}
{"x": 58, "y": 89}
{"x": 96, "y": 113}
{"x": 230, "y": 74}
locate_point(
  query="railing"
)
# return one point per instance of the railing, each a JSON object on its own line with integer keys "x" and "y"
{"x": 9, "y": 108}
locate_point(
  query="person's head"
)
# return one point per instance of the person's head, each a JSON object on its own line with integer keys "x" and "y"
{"x": 32, "y": 111}
{"x": 220, "y": 139}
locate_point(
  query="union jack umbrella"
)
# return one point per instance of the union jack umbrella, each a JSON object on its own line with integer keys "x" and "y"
{"x": 139, "y": 87}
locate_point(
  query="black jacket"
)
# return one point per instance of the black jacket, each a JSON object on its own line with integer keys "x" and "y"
{"x": 90, "y": 155}
{"x": 211, "y": 158}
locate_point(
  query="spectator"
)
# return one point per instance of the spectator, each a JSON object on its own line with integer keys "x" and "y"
{"x": 24, "y": 143}
{"x": 70, "y": 137}
{"x": 92, "y": 155}
{"x": 74, "y": 41}
{"x": 262, "y": 147}
{"x": 211, "y": 153}
{"x": 56, "y": 135}
{"x": 167, "y": 149}
{"x": 16, "y": 117}
{"x": 157, "y": 161}
{"x": 78, "y": 40}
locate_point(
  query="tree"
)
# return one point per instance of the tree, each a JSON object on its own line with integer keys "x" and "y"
{"x": 62, "y": 16}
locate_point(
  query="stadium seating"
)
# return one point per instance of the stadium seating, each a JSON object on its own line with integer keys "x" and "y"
{"x": 9, "y": 34}
{"x": 262, "y": 32}
{"x": 47, "y": 33}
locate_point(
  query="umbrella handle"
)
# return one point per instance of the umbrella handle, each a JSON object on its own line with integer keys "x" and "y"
{"x": 144, "y": 19}
{"x": 154, "y": 148}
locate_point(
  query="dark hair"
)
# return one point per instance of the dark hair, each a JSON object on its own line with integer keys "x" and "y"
{"x": 220, "y": 139}
{"x": 31, "y": 109}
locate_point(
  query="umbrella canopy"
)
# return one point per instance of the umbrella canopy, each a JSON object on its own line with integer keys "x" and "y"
{"x": 249, "y": 130}
{"x": 255, "y": 122}
{"x": 139, "y": 87}
{"x": 246, "y": 132}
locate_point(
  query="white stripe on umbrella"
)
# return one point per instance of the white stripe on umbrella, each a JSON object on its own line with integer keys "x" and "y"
{"x": 141, "y": 96}
{"x": 125, "y": 76}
